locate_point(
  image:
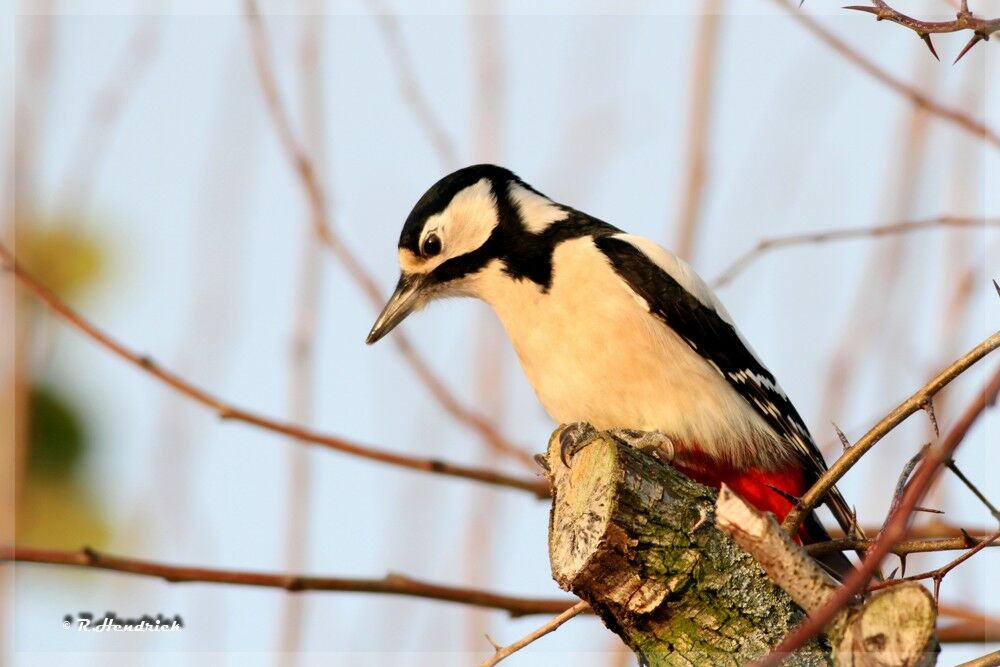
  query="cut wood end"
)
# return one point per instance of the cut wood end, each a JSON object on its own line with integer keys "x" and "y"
{"x": 581, "y": 504}
{"x": 895, "y": 628}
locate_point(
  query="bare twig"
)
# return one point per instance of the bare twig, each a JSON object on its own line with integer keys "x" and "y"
{"x": 327, "y": 235}
{"x": 393, "y": 584}
{"x": 402, "y": 64}
{"x": 505, "y": 651}
{"x": 964, "y": 20}
{"x": 938, "y": 574}
{"x": 911, "y": 546}
{"x": 539, "y": 487}
{"x": 766, "y": 245}
{"x": 850, "y": 457}
{"x": 975, "y": 490}
{"x": 955, "y": 116}
{"x": 699, "y": 117}
{"x": 895, "y": 524}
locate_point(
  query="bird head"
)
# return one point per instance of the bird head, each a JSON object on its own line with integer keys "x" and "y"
{"x": 462, "y": 224}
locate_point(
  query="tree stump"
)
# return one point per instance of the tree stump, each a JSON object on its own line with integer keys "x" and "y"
{"x": 637, "y": 540}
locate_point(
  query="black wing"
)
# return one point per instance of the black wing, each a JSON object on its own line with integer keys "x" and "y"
{"x": 717, "y": 341}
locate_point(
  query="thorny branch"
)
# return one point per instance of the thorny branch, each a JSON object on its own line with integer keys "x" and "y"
{"x": 916, "y": 96}
{"x": 766, "y": 245}
{"x": 895, "y": 525}
{"x": 939, "y": 574}
{"x": 326, "y": 233}
{"x": 964, "y": 20}
{"x": 914, "y": 403}
{"x": 911, "y": 546}
{"x": 391, "y": 584}
{"x": 539, "y": 487}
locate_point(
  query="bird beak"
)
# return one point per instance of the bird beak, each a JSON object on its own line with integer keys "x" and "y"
{"x": 403, "y": 301}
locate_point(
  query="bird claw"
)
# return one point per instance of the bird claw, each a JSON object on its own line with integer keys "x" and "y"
{"x": 655, "y": 443}
{"x": 573, "y": 438}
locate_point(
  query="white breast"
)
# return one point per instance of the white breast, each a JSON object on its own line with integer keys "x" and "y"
{"x": 593, "y": 353}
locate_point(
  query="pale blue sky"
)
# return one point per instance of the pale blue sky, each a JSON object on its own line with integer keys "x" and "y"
{"x": 205, "y": 223}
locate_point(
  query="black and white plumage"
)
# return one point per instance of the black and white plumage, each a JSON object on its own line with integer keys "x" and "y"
{"x": 610, "y": 328}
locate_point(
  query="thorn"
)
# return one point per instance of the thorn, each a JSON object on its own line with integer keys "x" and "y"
{"x": 902, "y": 565}
{"x": 997, "y": 286}
{"x": 843, "y": 438}
{"x": 856, "y": 531}
{"x": 784, "y": 494}
{"x": 892, "y": 575}
{"x": 929, "y": 510}
{"x": 930, "y": 45}
{"x": 976, "y": 38}
{"x": 542, "y": 461}
{"x": 970, "y": 541}
{"x": 867, "y": 9}
{"x": 496, "y": 647}
{"x": 927, "y": 405}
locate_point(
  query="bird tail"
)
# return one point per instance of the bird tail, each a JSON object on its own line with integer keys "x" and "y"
{"x": 835, "y": 562}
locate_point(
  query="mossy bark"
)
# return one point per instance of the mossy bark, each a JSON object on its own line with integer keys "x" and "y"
{"x": 637, "y": 540}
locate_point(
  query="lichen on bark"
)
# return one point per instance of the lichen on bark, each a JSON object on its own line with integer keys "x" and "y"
{"x": 638, "y": 541}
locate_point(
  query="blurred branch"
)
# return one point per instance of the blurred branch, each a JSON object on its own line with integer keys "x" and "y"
{"x": 302, "y": 340}
{"x": 913, "y": 404}
{"x": 972, "y": 633}
{"x": 406, "y": 77}
{"x": 895, "y": 525}
{"x": 505, "y": 651}
{"x": 105, "y": 109}
{"x": 917, "y": 97}
{"x": 699, "y": 114}
{"x": 392, "y": 584}
{"x": 912, "y": 546}
{"x": 226, "y": 411}
{"x": 766, "y": 245}
{"x": 359, "y": 274}
{"x": 964, "y": 20}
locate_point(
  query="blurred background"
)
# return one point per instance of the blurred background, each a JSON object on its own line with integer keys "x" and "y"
{"x": 150, "y": 188}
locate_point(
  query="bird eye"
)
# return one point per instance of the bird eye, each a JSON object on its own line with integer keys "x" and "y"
{"x": 431, "y": 245}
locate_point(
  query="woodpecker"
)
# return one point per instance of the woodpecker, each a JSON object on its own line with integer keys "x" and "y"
{"x": 613, "y": 330}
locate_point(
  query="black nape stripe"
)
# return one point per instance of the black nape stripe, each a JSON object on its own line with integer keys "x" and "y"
{"x": 525, "y": 255}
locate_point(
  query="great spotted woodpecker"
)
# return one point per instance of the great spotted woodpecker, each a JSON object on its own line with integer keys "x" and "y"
{"x": 613, "y": 330}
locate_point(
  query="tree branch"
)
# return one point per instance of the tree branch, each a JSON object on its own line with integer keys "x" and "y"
{"x": 913, "y": 404}
{"x": 227, "y": 411}
{"x": 895, "y": 524}
{"x": 551, "y": 626}
{"x": 913, "y": 546}
{"x": 391, "y": 584}
{"x": 955, "y": 116}
{"x": 964, "y": 20}
{"x": 766, "y": 245}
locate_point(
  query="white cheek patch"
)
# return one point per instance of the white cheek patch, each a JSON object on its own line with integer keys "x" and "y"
{"x": 462, "y": 227}
{"x": 537, "y": 212}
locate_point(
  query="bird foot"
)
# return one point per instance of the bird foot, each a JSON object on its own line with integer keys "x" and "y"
{"x": 655, "y": 443}
{"x": 573, "y": 438}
